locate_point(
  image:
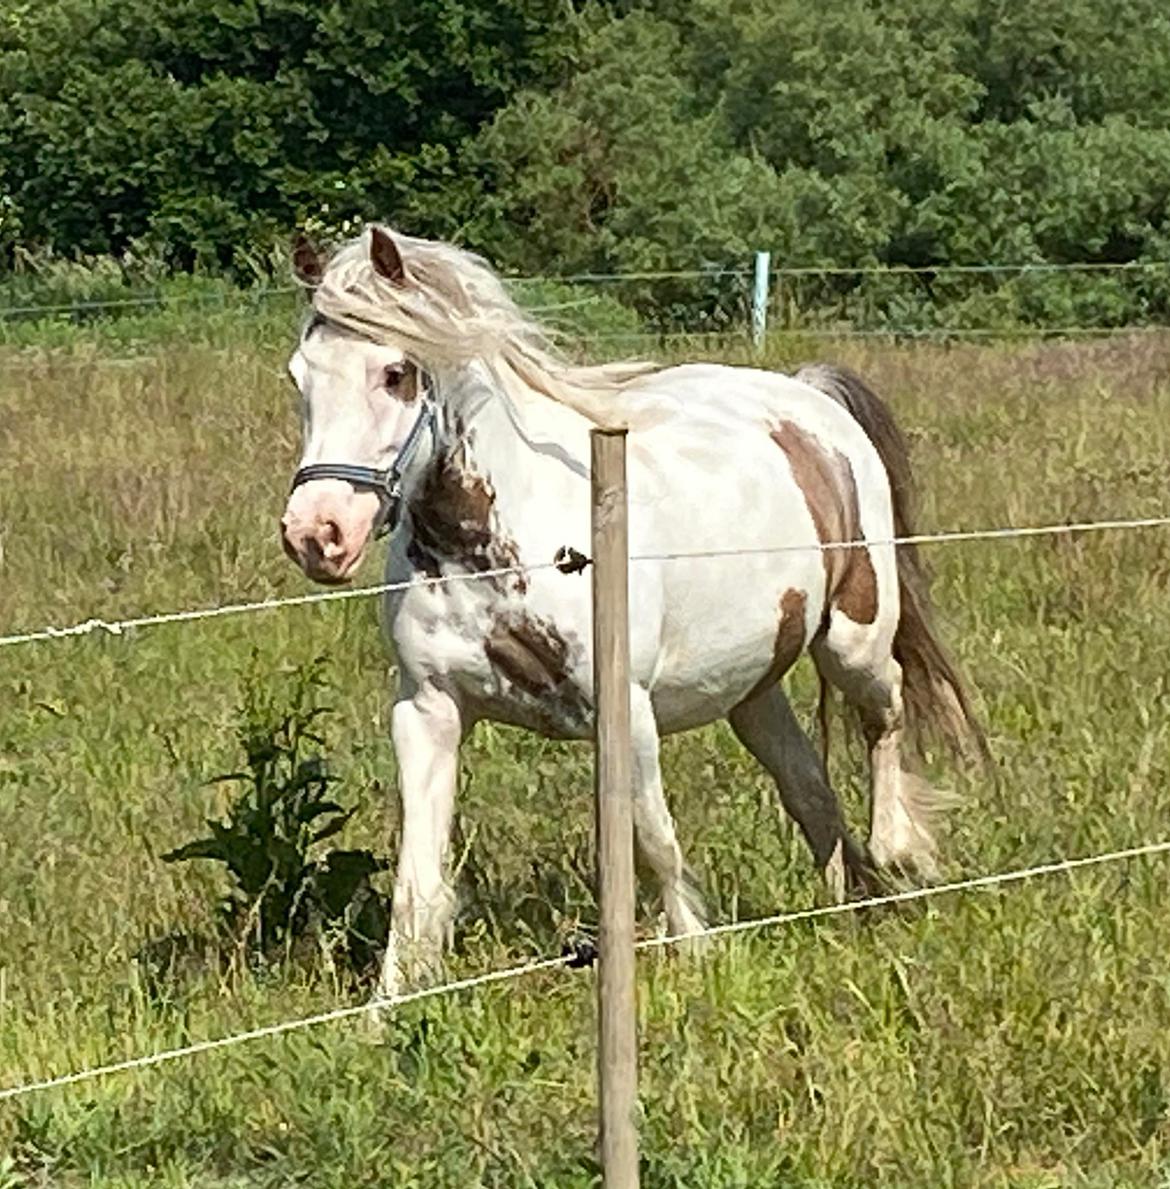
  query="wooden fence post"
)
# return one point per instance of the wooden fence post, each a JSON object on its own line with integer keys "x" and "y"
{"x": 617, "y": 1056}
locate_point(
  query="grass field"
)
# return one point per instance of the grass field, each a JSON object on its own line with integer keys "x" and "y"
{"x": 1018, "y": 1037}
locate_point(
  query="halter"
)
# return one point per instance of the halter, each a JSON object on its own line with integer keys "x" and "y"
{"x": 387, "y": 484}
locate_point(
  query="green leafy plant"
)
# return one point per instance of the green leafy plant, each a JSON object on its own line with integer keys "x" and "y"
{"x": 285, "y": 885}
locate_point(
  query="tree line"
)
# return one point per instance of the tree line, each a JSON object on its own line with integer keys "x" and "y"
{"x": 563, "y": 137}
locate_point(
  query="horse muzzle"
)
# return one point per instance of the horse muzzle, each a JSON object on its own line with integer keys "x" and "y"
{"x": 325, "y": 530}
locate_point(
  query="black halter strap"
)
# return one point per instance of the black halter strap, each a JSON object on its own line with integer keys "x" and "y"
{"x": 387, "y": 484}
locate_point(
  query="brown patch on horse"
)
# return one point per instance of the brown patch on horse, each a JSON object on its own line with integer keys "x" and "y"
{"x": 535, "y": 659}
{"x": 789, "y": 640}
{"x": 932, "y": 687}
{"x": 532, "y": 655}
{"x": 856, "y": 595}
{"x": 452, "y": 511}
{"x": 813, "y": 470}
{"x": 452, "y": 520}
{"x": 825, "y": 476}
{"x": 790, "y": 634}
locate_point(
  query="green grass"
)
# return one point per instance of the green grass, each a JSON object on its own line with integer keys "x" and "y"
{"x": 1018, "y": 1037}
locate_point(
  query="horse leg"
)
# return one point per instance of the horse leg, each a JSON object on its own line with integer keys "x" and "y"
{"x": 426, "y": 729}
{"x": 862, "y": 666}
{"x": 767, "y": 727}
{"x": 653, "y": 824}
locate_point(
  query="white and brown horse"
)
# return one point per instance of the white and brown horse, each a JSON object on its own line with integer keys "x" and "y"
{"x": 434, "y": 407}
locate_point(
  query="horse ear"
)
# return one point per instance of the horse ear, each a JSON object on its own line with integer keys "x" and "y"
{"x": 385, "y": 257}
{"x": 306, "y": 261}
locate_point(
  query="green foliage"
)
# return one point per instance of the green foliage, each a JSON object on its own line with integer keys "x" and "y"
{"x": 211, "y": 126}
{"x": 860, "y": 134}
{"x": 607, "y": 135}
{"x": 284, "y": 883}
{"x": 615, "y": 173}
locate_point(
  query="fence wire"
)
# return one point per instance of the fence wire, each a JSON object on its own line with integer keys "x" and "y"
{"x": 116, "y": 627}
{"x": 285, "y": 1026}
{"x": 733, "y": 334}
{"x": 228, "y": 298}
{"x": 925, "y": 333}
{"x": 377, "y": 1005}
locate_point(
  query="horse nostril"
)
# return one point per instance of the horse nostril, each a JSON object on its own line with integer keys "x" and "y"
{"x": 329, "y": 538}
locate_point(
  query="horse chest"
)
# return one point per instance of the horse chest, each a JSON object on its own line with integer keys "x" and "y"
{"x": 454, "y": 522}
{"x": 501, "y": 644}
{"x": 508, "y": 661}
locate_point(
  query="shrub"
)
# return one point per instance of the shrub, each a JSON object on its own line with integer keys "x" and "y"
{"x": 285, "y": 885}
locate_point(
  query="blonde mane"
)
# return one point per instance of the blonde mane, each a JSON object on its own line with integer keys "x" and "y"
{"x": 452, "y": 309}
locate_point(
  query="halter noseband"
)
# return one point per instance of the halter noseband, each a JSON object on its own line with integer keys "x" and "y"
{"x": 387, "y": 484}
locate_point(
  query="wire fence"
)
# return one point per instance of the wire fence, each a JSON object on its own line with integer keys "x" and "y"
{"x": 285, "y": 1026}
{"x": 578, "y": 957}
{"x": 573, "y": 958}
{"x": 571, "y": 562}
{"x": 1050, "y": 298}
{"x": 115, "y": 627}
{"x": 887, "y": 332}
{"x": 730, "y": 337}
{"x": 714, "y": 272}
{"x": 146, "y": 301}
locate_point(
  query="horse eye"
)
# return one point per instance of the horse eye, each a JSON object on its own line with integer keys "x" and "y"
{"x": 394, "y": 374}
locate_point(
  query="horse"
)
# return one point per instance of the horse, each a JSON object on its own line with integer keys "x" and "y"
{"x": 437, "y": 413}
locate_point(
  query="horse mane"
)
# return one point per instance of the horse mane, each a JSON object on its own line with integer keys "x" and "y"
{"x": 452, "y": 308}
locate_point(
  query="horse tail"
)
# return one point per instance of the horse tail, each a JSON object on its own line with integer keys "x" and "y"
{"x": 933, "y": 691}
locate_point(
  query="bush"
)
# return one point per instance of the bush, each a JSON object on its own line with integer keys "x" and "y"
{"x": 285, "y": 885}
{"x": 610, "y": 136}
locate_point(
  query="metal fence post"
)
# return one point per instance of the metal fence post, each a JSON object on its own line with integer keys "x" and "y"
{"x": 760, "y": 299}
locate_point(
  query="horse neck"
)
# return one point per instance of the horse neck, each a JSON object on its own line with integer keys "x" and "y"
{"x": 503, "y": 431}
{"x": 482, "y": 497}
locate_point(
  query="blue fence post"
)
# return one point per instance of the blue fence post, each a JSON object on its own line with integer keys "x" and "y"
{"x": 760, "y": 299}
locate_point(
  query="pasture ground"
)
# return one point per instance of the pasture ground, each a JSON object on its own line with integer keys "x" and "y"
{"x": 1008, "y": 1038}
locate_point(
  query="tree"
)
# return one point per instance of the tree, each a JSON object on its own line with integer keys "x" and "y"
{"x": 207, "y": 124}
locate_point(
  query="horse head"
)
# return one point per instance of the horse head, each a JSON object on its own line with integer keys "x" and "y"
{"x": 365, "y": 411}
